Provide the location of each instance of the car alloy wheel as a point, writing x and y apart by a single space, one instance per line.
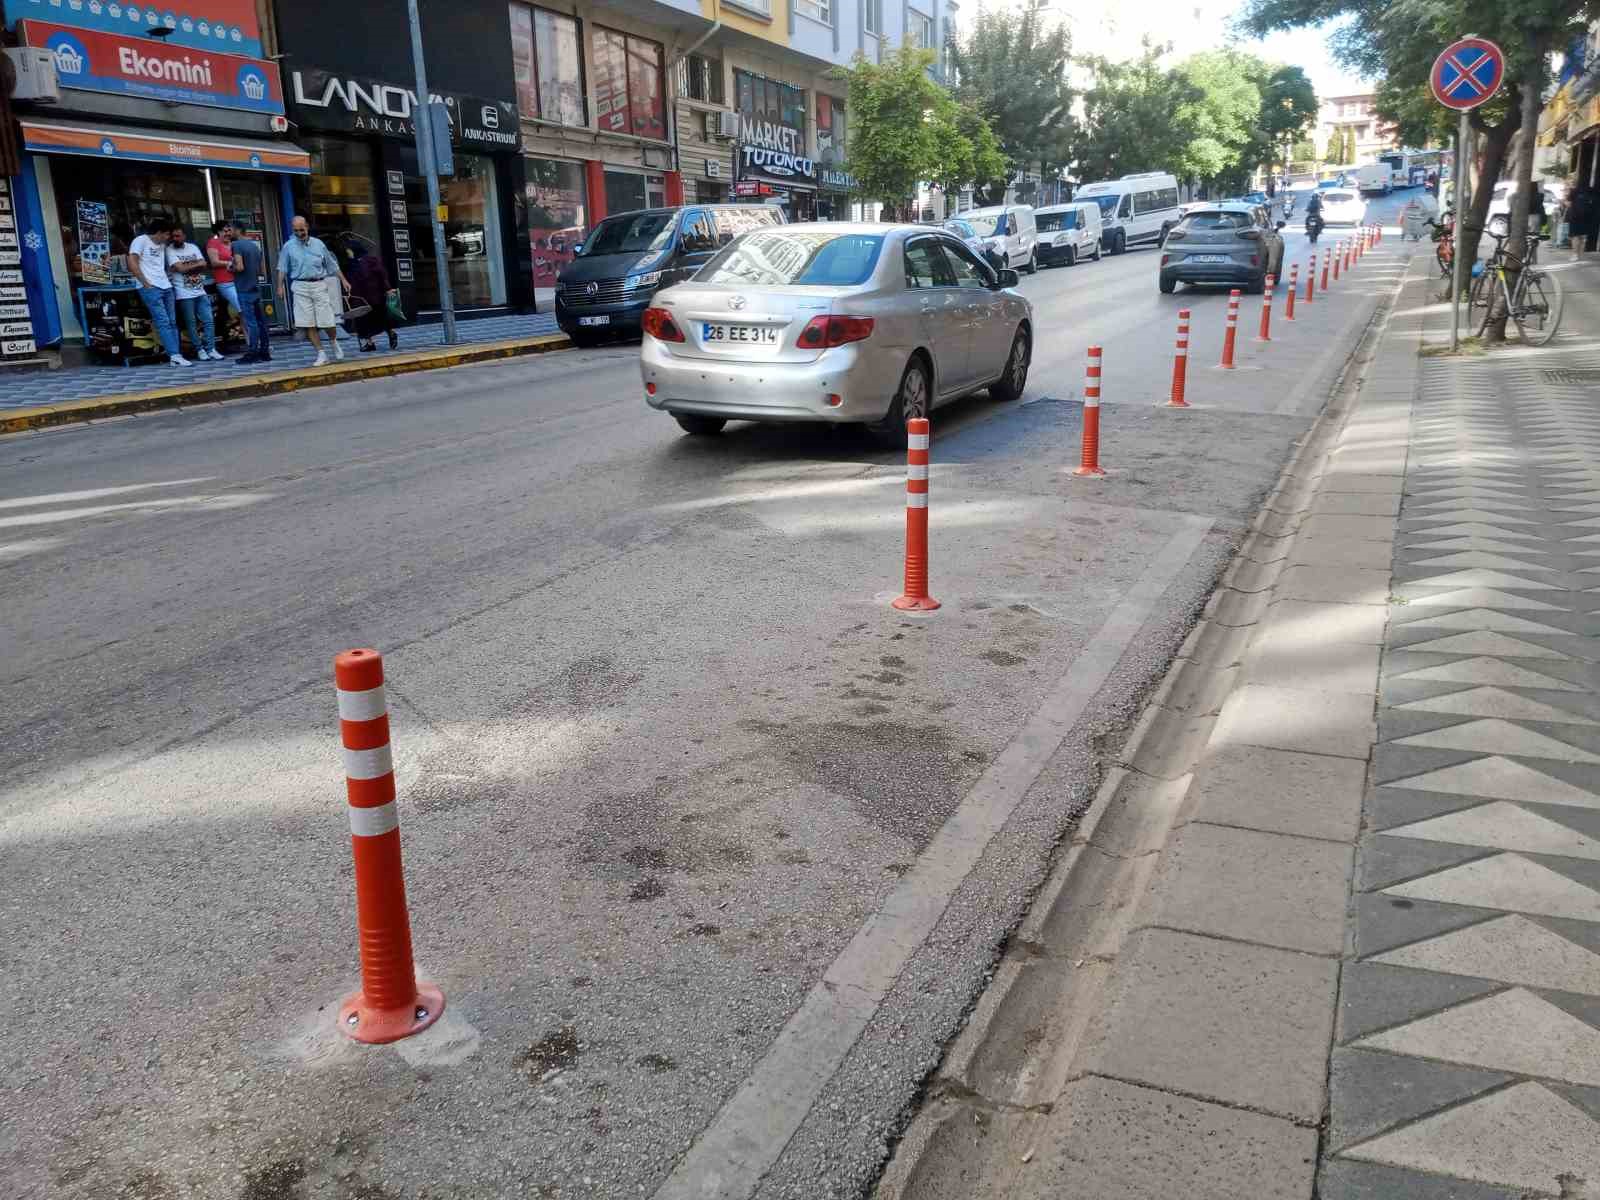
913 392
1011 385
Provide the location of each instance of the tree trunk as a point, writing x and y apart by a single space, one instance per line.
1496 141
1522 190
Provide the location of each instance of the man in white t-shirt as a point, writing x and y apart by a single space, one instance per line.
187 268
147 261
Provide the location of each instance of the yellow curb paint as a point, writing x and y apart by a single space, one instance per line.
279 382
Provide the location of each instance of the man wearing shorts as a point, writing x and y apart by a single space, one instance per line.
304 267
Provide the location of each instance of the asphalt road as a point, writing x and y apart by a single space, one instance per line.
663 748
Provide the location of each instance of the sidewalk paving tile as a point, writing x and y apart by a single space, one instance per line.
1239 1024
1316 722
1313 622
1285 891
1106 1138
1311 795
1286 662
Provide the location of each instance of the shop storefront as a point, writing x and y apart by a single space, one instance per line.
178 125
354 110
771 162
835 185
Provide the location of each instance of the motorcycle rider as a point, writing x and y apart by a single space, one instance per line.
1314 222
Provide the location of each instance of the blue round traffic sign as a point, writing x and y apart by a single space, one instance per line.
1467 73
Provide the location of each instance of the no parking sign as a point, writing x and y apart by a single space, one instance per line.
1467 73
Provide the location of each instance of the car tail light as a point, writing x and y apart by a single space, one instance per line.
1250 235
1165 259
658 323
824 333
1255 260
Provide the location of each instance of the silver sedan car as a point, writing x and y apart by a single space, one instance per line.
834 321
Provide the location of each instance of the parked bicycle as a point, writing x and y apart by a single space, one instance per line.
1444 250
1533 304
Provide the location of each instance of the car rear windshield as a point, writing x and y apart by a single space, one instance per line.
795 255
1060 220
1338 197
1217 220
630 233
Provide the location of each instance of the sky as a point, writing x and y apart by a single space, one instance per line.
1113 28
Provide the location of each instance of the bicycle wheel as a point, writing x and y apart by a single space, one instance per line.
1537 311
1480 302
1442 256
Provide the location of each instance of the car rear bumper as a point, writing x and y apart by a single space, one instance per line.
1052 254
773 391
1233 271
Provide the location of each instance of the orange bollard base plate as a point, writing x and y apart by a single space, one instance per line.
1172 404
1094 472
380 1026
915 604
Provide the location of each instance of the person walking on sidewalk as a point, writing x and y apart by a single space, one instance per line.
187 269
220 257
369 283
304 268
147 262
247 262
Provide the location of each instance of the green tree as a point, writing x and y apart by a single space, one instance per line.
1333 156
1349 146
1218 114
1128 121
1304 151
905 129
1012 70
1288 110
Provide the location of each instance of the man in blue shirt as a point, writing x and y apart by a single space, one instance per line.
305 266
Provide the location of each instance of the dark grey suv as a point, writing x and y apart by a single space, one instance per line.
1231 244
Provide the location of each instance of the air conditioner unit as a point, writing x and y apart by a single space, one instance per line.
36 74
727 125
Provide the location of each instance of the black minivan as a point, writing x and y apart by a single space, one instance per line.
629 257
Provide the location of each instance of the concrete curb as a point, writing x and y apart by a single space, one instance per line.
1074 931
279 382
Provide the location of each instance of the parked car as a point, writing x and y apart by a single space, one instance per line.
1010 235
1068 232
969 235
1499 215
1343 206
836 322
1375 179
1223 244
629 257
1136 210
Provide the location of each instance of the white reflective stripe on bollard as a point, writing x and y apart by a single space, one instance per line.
367 764
362 706
916 499
917 441
374 822
917 472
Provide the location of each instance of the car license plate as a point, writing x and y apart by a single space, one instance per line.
760 335
1208 258
606 320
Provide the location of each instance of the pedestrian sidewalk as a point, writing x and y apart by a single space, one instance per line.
35 399
1333 926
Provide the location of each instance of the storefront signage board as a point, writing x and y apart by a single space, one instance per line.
355 104
134 65
224 25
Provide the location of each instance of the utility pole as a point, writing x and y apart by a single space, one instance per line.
430 172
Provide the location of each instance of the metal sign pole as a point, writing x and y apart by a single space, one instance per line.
422 118
1458 275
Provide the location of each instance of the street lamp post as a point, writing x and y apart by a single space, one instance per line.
430 172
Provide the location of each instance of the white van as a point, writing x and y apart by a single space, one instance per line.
1008 232
1136 210
1068 233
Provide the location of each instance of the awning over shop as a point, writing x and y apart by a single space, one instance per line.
151 145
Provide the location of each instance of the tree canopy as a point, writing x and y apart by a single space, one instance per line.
1127 116
908 129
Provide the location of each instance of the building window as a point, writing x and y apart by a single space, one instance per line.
872 16
919 30
771 114
548 66
701 78
628 92
830 130
817 10
762 8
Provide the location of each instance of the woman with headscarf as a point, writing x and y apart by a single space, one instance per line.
369 284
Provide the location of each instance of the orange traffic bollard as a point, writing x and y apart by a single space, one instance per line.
1180 362
1324 270
391 1003
916 595
1089 464
1311 279
1349 253
1264 334
1338 258
1294 286
1232 330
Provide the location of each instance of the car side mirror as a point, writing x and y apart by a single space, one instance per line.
578 249
1006 278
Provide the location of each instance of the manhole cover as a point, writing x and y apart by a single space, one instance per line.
1573 377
